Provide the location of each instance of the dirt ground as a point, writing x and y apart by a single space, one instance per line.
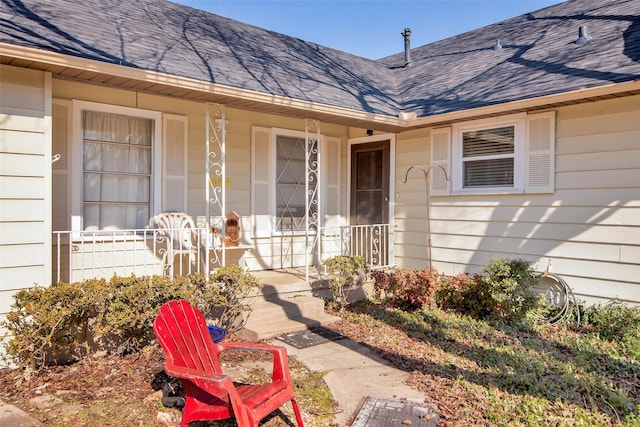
119 391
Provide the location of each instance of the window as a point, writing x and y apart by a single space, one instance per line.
291 182
115 181
116 171
487 156
279 181
511 154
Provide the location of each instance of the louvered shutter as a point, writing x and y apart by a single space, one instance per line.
60 141
261 177
174 161
540 153
440 157
331 181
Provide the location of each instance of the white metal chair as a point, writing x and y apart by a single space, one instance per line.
181 235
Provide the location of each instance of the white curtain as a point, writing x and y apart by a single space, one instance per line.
116 171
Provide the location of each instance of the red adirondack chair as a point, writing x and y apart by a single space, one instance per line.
193 357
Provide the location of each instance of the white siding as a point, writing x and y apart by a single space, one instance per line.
25 181
589 227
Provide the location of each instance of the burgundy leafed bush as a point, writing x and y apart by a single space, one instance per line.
407 290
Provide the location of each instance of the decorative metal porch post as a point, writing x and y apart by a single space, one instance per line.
215 182
312 190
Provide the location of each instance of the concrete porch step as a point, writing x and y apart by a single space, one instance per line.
272 318
286 303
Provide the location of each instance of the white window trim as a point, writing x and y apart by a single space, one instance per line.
76 195
519 122
275 132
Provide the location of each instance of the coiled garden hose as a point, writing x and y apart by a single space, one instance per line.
567 298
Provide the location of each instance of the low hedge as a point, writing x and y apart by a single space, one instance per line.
66 321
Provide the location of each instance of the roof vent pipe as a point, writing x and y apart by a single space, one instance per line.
406 33
583 36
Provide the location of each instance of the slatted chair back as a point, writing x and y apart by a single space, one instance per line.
178 227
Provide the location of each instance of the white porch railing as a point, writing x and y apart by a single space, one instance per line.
373 242
83 255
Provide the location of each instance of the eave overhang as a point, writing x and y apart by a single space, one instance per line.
122 77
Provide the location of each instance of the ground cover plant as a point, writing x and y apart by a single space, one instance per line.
497 372
478 346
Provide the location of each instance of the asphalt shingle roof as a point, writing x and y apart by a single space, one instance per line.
538 56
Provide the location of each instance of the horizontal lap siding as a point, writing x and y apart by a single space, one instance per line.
589 228
25 179
410 227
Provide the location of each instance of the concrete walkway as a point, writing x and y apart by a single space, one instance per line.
14 417
353 374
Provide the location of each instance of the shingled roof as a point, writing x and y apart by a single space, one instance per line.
161 36
538 55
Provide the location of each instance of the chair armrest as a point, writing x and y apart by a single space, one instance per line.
194 374
279 353
250 346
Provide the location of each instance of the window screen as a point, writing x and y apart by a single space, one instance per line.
488 157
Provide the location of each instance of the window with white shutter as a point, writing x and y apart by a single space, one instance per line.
513 154
278 180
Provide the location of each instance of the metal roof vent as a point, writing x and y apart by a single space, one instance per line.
407 46
498 46
583 36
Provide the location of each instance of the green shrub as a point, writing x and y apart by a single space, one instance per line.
127 311
452 292
346 273
505 289
45 320
405 289
615 321
66 321
225 297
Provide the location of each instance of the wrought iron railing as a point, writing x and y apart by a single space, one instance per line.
373 242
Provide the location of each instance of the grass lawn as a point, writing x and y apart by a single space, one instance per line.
500 373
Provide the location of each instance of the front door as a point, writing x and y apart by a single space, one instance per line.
370 183
370 201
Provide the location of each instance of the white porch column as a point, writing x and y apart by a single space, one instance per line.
312 189
215 180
